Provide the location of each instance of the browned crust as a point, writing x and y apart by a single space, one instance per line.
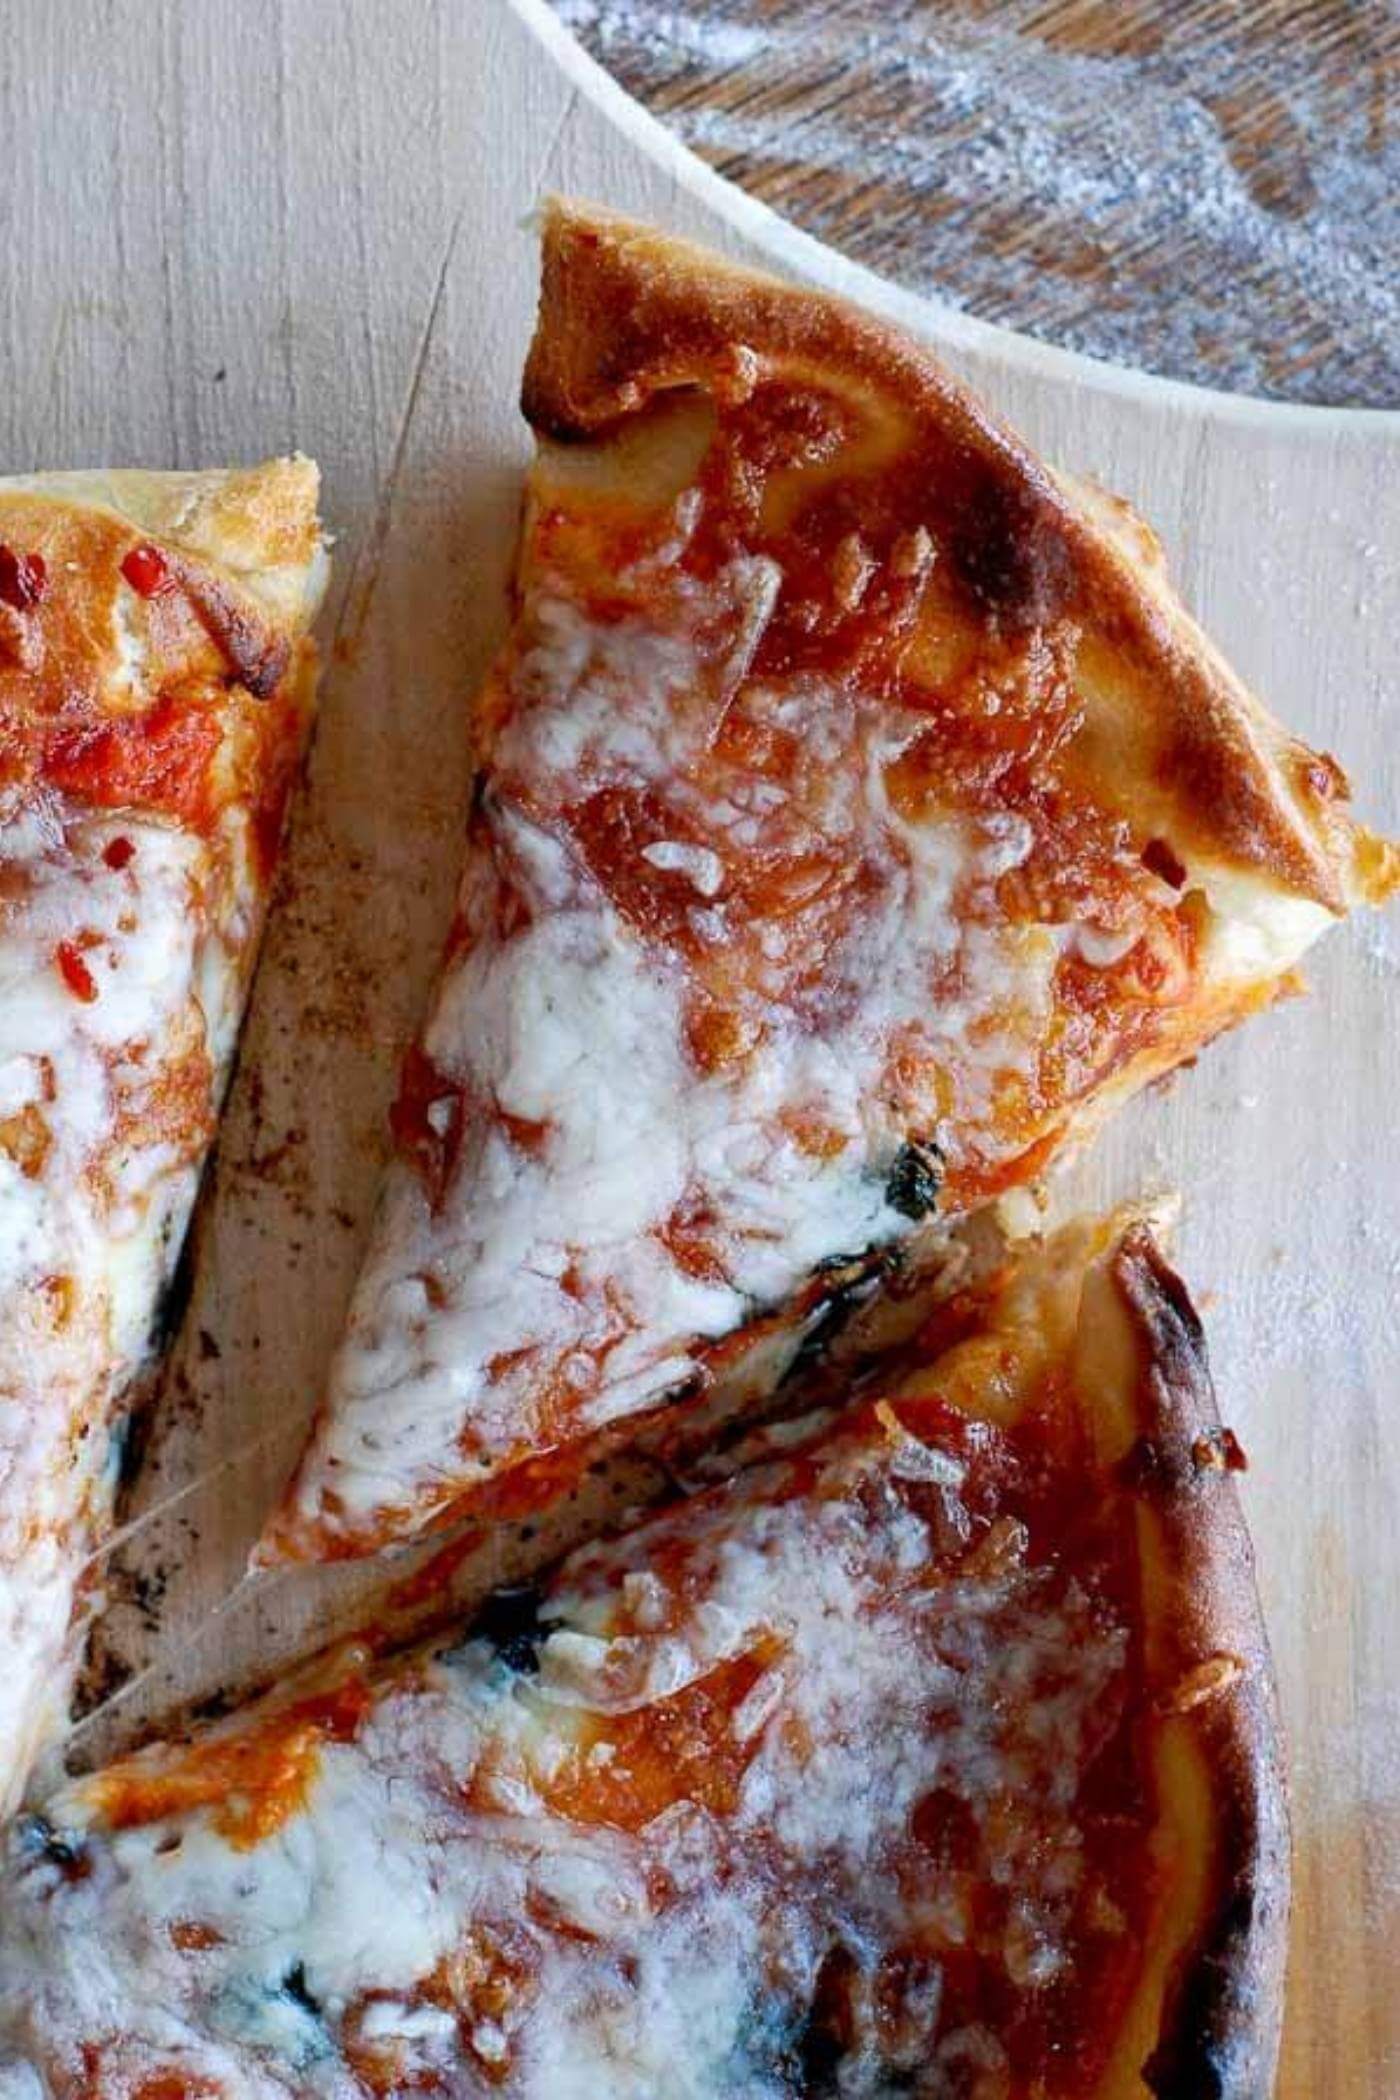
240 551
1221 2025
627 313
255 652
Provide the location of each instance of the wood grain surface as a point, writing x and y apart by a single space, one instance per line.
1205 188
231 232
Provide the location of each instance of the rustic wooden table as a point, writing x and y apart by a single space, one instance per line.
1204 188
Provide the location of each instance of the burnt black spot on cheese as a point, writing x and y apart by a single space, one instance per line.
843 1267
825 2036
295 1987
915 1179
39 1839
510 1621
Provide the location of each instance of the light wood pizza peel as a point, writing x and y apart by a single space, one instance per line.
234 231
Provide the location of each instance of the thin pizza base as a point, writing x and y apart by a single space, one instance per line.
859 820
933 1740
156 684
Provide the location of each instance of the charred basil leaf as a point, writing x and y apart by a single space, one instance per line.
851 1279
847 1267
915 1178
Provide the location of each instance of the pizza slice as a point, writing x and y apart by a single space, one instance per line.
858 819
932 1751
155 686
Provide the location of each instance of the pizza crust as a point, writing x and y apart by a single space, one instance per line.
859 822
641 315
1102 1296
258 525
1223 2016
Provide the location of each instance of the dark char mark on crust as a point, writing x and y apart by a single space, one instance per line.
627 314
1221 2022
1010 553
847 1281
256 654
173 1303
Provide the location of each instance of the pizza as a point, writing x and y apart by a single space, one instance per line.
929 1749
858 819
155 685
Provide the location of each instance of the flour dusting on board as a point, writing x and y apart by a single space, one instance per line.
1171 196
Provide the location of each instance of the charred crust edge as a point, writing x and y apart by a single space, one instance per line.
1223 2013
626 312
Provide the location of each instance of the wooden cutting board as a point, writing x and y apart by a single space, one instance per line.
231 231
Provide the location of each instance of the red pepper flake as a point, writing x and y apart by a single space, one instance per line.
119 853
146 570
75 972
1159 860
24 578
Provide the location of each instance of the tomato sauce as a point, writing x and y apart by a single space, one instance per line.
252 1781
159 759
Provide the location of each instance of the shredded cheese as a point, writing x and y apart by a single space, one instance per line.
773 1743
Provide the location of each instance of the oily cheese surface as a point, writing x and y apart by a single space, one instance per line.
909 1750
313 264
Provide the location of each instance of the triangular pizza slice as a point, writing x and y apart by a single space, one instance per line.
155 685
859 818
933 1751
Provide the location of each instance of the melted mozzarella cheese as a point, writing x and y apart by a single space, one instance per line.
116 1026
453 1898
539 1297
